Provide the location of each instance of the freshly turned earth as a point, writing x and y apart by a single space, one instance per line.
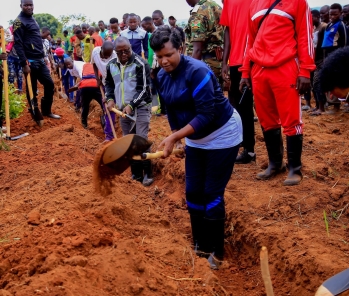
58 237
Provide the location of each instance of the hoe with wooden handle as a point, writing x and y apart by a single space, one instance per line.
115 158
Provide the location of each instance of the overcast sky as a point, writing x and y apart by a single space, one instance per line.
111 8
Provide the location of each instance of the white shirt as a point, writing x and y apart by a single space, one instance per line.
77 69
101 63
229 135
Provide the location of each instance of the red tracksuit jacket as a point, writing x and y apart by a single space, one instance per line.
285 34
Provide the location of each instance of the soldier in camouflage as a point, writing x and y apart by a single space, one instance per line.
204 34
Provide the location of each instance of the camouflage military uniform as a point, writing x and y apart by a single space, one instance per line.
203 26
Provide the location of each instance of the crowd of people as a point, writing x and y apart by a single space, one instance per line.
268 54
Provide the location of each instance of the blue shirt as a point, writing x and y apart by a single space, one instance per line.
335 35
193 96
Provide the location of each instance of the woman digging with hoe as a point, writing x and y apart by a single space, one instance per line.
198 112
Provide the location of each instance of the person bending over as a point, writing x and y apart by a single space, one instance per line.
212 128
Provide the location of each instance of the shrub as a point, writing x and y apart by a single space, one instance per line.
17 103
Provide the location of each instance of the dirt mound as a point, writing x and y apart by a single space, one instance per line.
61 238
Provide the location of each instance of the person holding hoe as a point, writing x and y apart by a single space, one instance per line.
212 128
127 87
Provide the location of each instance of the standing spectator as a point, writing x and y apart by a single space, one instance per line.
318 38
114 31
172 21
123 25
137 36
103 31
75 44
336 31
67 46
158 18
280 47
85 44
325 14
205 35
345 14
148 26
97 40
59 42
28 45
47 46
234 18
14 67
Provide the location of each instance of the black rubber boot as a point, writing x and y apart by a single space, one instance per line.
294 154
198 229
244 157
148 173
214 243
137 170
275 149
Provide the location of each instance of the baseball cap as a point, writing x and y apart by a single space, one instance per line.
59 52
172 18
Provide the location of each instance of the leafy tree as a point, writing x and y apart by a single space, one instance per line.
70 19
47 20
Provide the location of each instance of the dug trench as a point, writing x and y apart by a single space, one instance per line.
58 237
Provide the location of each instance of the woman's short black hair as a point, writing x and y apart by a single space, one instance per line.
335 70
163 35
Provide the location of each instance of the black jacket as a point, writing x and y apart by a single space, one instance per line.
27 37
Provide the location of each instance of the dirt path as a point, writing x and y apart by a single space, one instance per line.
57 237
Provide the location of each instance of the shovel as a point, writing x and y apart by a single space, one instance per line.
34 110
61 94
115 158
7 102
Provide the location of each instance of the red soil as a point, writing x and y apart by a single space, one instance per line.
58 237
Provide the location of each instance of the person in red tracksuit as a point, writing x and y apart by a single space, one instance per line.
278 60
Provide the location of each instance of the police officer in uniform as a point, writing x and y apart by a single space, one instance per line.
204 34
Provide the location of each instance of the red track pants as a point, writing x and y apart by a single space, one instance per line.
276 97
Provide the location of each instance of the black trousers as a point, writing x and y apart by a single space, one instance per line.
39 72
245 109
87 95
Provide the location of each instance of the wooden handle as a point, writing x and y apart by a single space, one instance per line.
119 113
322 291
108 113
30 88
155 155
7 102
265 272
